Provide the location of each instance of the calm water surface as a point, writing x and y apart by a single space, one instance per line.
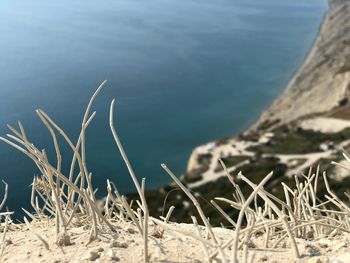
183 73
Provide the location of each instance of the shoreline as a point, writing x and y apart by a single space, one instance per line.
290 105
304 61
307 93
191 164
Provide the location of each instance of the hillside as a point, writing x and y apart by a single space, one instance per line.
322 83
307 127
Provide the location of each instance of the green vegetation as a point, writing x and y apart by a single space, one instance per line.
160 200
286 140
196 174
257 169
268 124
299 141
251 136
184 209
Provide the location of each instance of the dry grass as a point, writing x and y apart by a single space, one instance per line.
70 200
5 220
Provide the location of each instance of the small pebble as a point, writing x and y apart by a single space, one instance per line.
8 242
312 250
323 245
93 256
251 244
64 240
310 235
131 231
263 258
157 232
118 244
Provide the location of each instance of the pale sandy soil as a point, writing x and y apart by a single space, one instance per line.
339 172
231 148
126 246
211 175
310 160
325 125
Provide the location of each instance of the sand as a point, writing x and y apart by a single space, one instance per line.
325 125
126 246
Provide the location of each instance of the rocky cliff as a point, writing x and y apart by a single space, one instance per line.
323 81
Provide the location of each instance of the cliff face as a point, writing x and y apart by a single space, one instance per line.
323 81
317 97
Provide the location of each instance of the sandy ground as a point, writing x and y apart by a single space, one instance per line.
325 125
211 175
127 246
232 148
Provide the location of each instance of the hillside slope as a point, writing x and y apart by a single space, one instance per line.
323 81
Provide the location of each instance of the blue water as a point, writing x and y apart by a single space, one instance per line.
183 72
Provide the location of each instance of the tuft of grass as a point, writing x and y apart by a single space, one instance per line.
70 198
300 214
5 220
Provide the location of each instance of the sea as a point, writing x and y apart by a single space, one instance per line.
183 73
